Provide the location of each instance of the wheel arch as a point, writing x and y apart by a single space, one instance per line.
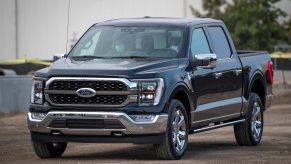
181 93
257 86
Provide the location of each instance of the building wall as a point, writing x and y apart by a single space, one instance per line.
7 29
42 27
42 24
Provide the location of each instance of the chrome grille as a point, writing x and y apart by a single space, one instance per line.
96 85
110 92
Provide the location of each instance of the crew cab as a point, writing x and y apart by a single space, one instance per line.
150 81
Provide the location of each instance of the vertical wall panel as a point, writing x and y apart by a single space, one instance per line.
7 29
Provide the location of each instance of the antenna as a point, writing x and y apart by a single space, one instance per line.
68 23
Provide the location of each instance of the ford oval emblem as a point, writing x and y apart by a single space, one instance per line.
86 92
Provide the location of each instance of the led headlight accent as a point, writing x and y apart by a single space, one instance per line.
142 118
150 91
37 92
38 116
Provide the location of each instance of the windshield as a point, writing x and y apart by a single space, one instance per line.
122 42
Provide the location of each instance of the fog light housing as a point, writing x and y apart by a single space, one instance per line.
142 118
37 116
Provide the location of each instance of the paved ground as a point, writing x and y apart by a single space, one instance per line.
217 146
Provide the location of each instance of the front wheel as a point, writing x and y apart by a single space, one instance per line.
250 132
176 137
49 150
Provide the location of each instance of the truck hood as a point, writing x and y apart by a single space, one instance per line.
129 68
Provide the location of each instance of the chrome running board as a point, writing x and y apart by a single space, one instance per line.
218 126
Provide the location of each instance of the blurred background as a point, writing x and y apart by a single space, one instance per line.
33 31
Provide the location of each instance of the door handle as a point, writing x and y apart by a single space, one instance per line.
217 75
237 72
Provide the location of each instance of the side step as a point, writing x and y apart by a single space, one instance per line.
218 126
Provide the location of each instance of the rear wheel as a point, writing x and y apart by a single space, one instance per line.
49 150
250 132
176 137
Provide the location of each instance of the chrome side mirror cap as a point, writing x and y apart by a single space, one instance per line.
204 60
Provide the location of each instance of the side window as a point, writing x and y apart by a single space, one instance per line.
199 43
220 43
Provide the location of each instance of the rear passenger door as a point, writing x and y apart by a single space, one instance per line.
229 81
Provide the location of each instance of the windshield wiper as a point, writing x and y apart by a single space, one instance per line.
129 57
88 57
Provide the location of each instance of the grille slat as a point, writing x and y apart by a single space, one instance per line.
98 99
87 124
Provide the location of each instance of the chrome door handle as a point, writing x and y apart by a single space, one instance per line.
217 75
237 72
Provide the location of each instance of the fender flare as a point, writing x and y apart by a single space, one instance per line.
178 87
257 75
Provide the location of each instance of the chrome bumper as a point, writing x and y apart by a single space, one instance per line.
156 125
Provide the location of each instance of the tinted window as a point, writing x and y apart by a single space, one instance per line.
220 43
199 44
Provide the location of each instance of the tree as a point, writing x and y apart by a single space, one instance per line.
287 26
211 7
253 24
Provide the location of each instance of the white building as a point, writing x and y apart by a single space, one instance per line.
38 28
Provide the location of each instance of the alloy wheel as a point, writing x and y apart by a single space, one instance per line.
179 131
256 123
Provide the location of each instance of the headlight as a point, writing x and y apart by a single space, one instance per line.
37 92
150 91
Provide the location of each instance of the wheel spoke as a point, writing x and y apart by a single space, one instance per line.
174 125
258 124
253 127
179 144
176 118
174 137
258 111
181 122
256 132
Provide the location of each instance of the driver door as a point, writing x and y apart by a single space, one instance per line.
204 80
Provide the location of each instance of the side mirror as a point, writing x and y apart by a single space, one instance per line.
204 60
58 56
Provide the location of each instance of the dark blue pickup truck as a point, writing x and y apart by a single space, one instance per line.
150 81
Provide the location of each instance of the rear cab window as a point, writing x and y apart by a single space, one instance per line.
220 42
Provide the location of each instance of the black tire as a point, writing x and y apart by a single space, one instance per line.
246 132
168 148
49 150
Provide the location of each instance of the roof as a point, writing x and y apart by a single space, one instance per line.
152 21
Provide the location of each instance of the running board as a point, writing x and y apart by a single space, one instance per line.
218 126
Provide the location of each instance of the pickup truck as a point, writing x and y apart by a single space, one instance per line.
150 81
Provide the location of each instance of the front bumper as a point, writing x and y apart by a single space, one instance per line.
157 125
